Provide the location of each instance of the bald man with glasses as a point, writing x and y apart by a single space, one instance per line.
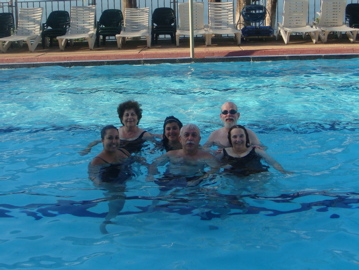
229 116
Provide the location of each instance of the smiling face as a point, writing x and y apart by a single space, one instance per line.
238 137
172 132
111 140
229 114
129 118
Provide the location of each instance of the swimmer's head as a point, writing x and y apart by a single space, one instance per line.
229 114
171 129
129 105
190 137
190 127
245 132
172 119
105 129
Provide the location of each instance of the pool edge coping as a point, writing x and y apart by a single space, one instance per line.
181 60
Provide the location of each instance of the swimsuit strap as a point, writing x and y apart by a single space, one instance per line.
141 135
102 159
124 152
225 154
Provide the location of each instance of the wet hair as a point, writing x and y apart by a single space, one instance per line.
168 120
104 130
129 105
245 132
189 126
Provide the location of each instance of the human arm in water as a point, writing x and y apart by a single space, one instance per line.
88 148
271 161
152 168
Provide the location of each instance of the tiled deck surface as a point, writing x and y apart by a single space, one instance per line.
164 51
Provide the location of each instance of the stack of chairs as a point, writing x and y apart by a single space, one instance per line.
295 18
82 26
332 19
28 30
163 23
6 24
136 25
220 21
57 24
110 24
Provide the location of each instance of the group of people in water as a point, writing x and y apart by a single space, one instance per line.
239 150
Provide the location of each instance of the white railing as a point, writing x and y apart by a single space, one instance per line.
101 5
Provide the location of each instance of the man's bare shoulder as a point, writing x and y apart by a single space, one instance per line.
215 136
174 153
217 132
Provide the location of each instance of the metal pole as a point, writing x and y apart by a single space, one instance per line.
191 39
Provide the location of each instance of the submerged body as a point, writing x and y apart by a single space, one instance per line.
111 165
189 162
246 165
243 158
229 116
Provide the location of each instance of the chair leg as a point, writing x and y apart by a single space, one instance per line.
119 41
98 40
238 37
148 41
177 40
285 35
208 39
6 46
324 36
157 35
62 43
91 41
351 35
314 36
1 46
32 45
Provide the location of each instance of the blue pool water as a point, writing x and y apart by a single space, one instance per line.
306 112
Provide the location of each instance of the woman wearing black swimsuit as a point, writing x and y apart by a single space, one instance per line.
110 169
242 158
110 165
132 137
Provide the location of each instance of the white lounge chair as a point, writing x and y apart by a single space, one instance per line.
82 21
295 20
29 24
198 21
136 25
332 18
220 21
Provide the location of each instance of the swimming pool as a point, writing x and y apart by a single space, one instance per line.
306 112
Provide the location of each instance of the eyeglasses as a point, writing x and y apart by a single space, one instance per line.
229 112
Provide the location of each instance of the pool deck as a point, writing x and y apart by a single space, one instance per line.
135 52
